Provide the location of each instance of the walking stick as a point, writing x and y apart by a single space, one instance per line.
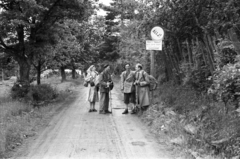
137 101
110 99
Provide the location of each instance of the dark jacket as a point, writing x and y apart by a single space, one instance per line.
103 79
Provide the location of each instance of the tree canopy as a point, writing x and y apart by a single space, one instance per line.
29 25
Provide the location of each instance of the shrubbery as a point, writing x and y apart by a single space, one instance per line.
19 90
226 83
216 132
33 93
43 92
199 79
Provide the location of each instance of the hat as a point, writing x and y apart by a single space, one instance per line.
138 64
105 65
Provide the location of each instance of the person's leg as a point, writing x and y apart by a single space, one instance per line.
102 102
126 101
133 101
90 110
107 103
93 107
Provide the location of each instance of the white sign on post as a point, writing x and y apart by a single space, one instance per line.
153 45
157 33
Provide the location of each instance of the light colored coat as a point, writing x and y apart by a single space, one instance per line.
129 78
92 93
142 92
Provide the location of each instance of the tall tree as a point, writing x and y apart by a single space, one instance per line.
28 24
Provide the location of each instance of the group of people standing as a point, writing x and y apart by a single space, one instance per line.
134 85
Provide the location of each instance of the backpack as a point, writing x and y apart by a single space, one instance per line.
152 81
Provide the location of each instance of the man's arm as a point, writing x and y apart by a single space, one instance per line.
122 81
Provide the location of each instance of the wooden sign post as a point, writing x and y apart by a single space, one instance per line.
157 34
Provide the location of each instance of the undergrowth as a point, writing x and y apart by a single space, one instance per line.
195 121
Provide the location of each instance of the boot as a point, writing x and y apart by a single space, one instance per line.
125 111
134 111
107 111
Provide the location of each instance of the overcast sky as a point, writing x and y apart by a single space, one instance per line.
106 2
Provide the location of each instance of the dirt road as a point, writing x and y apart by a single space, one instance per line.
75 133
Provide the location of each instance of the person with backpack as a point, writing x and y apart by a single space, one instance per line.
142 87
91 79
128 87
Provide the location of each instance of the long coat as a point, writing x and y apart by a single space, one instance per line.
92 93
104 91
142 92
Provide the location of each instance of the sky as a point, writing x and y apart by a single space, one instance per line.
106 2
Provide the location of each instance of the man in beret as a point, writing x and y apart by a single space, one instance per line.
105 86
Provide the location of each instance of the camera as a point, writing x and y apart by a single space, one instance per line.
92 84
137 83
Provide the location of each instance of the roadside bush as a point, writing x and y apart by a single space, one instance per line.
227 55
43 92
33 93
19 90
199 79
183 99
226 85
207 126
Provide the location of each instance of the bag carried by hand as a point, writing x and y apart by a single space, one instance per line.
111 85
128 87
97 87
92 84
85 83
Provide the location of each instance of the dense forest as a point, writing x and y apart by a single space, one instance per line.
198 69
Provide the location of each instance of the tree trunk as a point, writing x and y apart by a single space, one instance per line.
209 54
24 70
210 40
194 54
73 73
39 72
180 50
207 57
17 73
175 58
2 74
190 58
211 47
175 71
63 74
168 67
202 51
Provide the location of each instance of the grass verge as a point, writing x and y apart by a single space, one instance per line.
19 120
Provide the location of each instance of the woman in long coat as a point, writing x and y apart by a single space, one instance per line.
142 87
92 79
